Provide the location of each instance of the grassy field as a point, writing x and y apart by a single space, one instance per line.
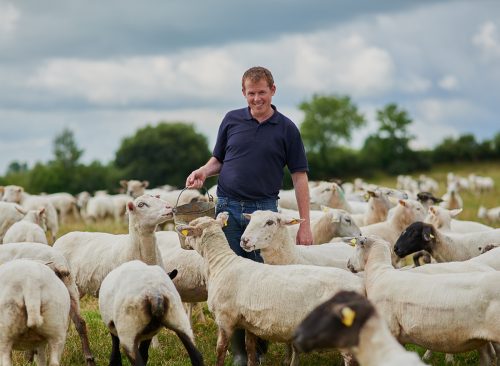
171 351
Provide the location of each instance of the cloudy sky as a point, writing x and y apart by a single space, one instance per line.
106 68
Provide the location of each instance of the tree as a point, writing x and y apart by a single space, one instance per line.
328 122
388 149
66 152
163 154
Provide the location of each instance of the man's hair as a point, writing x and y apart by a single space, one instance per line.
257 73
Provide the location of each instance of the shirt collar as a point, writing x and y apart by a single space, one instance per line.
273 120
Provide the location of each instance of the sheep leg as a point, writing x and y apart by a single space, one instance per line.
81 328
427 355
194 355
485 355
200 317
222 344
349 359
155 343
295 357
288 354
56 348
40 356
116 357
449 358
250 345
144 350
496 348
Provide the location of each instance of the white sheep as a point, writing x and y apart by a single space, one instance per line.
349 321
449 313
65 205
10 213
35 312
56 261
268 232
136 301
443 219
16 194
191 280
378 208
267 301
331 194
444 246
491 214
92 256
29 229
99 207
452 199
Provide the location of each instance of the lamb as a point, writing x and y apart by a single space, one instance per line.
443 246
10 213
442 219
92 256
268 232
239 289
65 205
136 301
57 262
350 321
36 305
492 214
29 229
16 194
467 303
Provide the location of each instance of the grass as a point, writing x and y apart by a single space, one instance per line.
171 351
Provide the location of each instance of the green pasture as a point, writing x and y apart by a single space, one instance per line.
171 351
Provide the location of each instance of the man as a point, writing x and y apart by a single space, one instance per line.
253 146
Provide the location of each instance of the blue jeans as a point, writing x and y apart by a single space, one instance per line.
237 223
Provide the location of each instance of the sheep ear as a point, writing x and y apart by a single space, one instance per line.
145 183
427 233
123 183
131 206
347 316
173 274
454 213
185 230
222 218
41 211
402 203
291 221
247 216
432 210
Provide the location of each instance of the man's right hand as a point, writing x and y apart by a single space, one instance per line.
196 179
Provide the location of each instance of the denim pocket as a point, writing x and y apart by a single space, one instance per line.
221 205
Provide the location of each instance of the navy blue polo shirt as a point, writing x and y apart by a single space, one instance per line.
253 155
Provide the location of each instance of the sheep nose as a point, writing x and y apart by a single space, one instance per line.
244 241
351 267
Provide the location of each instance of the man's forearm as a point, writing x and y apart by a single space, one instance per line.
300 183
212 167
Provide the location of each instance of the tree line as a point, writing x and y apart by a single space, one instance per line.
167 152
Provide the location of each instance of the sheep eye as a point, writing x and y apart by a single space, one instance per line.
327 190
348 220
141 204
269 222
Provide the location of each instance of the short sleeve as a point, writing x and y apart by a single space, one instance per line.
296 159
219 151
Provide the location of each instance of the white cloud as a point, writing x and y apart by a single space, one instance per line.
448 82
486 39
9 16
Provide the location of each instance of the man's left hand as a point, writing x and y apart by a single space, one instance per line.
304 235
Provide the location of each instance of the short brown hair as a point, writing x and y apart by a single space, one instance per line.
255 74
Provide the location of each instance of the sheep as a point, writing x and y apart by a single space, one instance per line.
16 194
99 207
492 214
350 321
59 265
443 246
378 208
406 212
452 199
191 280
36 307
467 303
239 289
442 219
65 205
82 200
92 256
136 300
29 229
427 199
331 194
268 232
10 213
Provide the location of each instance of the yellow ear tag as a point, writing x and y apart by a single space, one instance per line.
431 236
225 222
185 232
353 241
348 316
367 196
325 209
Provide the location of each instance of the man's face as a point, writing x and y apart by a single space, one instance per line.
259 96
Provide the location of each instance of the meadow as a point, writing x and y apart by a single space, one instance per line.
171 351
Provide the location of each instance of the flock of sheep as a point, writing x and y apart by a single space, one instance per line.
352 291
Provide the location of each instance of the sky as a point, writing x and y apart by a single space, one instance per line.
104 69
